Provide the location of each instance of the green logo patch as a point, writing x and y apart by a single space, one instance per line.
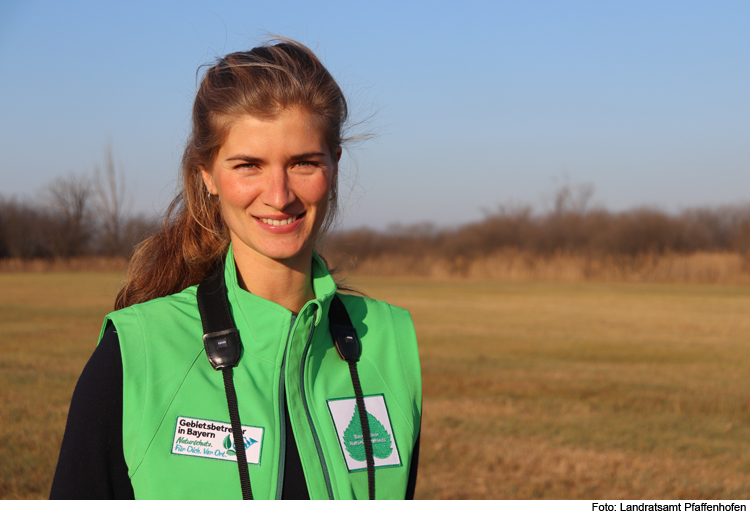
211 439
346 421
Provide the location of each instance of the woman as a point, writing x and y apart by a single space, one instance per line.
325 388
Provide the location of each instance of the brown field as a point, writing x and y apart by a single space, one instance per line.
532 389
580 390
49 325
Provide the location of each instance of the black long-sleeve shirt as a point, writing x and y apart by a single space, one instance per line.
92 462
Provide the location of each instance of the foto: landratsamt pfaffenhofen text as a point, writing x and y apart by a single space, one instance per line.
676 507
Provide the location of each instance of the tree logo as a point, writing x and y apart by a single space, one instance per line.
228 445
346 421
354 439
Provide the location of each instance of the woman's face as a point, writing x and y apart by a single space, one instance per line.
273 178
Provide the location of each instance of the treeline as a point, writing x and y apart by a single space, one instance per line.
76 217
569 228
73 216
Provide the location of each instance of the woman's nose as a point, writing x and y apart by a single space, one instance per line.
278 194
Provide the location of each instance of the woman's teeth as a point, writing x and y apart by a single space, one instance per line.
279 222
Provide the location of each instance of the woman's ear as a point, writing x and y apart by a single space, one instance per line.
208 179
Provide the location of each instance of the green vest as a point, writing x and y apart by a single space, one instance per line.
176 432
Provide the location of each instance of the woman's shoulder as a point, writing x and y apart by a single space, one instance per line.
165 323
368 309
167 308
388 332
177 300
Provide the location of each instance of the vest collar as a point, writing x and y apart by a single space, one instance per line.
323 285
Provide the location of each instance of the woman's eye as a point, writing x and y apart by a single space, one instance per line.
307 165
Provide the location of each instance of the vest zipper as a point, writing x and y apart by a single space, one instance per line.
282 416
323 465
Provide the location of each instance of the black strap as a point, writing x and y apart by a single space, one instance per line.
223 348
349 348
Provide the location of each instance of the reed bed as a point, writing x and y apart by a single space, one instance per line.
515 265
506 265
77 264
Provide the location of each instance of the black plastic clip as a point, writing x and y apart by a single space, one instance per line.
346 341
223 348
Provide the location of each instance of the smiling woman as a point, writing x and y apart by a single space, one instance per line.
319 392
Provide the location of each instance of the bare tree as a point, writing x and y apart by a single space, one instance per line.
113 203
570 198
70 196
26 231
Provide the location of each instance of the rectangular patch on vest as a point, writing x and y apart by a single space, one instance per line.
348 426
210 439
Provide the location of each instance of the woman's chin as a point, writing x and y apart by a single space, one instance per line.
288 254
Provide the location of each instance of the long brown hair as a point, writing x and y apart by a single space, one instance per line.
260 82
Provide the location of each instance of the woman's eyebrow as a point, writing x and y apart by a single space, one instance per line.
243 157
307 155
296 157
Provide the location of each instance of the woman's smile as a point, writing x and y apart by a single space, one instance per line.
276 222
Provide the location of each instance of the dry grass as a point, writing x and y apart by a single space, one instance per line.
580 390
532 389
78 264
515 265
49 324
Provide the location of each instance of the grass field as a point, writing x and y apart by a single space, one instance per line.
532 390
49 325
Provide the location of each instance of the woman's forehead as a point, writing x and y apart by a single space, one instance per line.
290 130
251 126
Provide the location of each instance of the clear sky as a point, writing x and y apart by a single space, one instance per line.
475 104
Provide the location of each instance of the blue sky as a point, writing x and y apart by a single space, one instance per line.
473 105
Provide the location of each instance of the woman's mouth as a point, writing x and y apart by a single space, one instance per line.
278 222
285 221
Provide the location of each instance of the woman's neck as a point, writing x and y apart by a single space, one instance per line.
286 283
